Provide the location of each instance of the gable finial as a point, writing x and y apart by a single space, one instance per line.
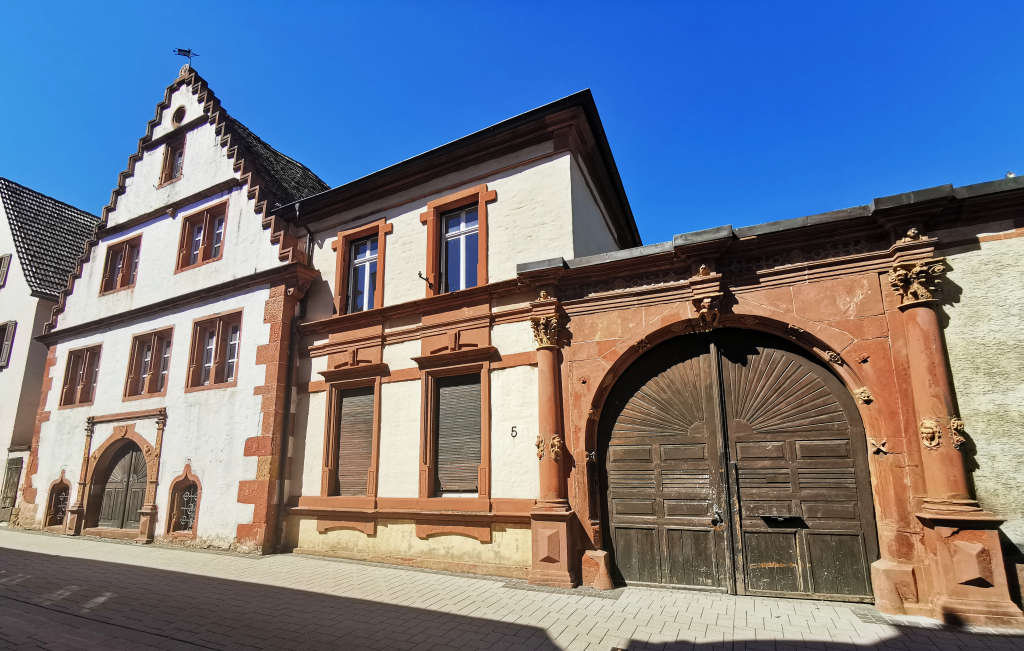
187 53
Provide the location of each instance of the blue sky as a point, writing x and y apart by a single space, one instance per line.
716 112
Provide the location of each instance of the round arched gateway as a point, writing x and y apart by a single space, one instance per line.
121 489
734 462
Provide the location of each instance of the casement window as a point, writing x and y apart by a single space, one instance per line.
362 274
457 434
5 264
202 237
174 160
121 265
353 431
80 376
459 250
457 240
148 364
214 355
6 342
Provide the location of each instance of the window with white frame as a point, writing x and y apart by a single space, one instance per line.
215 347
148 365
202 237
362 274
459 250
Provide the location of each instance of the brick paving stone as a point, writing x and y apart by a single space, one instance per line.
66 593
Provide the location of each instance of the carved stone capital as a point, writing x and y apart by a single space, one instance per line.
547 330
918 282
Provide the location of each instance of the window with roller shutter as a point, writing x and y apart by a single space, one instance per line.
354 431
457 414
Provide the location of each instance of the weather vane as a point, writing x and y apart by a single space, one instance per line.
182 52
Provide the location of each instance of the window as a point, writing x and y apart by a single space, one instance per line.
148 364
6 342
57 505
121 265
174 159
215 349
362 274
359 267
459 250
457 240
202 237
80 377
457 447
5 264
185 502
353 440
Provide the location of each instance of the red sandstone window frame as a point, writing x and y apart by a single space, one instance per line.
81 390
328 480
432 218
342 245
221 325
174 494
173 145
205 255
129 249
428 438
137 387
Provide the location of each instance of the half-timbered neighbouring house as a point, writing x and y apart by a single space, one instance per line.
164 390
41 240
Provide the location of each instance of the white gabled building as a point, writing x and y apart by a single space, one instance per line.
164 389
41 240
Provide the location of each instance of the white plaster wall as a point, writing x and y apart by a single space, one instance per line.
591 230
208 427
511 338
514 468
20 381
530 220
205 164
399 440
399 356
985 340
247 249
310 440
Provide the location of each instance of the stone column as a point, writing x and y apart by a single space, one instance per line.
968 578
147 514
550 517
76 514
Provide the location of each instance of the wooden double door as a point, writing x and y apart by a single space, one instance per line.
124 490
735 463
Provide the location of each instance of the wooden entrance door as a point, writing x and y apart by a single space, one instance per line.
736 463
9 495
124 490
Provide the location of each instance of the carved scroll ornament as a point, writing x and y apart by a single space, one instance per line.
921 281
547 330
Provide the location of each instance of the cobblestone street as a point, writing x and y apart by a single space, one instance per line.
64 593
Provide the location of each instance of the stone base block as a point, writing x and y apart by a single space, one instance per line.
596 570
551 549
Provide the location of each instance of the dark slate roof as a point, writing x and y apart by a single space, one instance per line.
49 236
290 180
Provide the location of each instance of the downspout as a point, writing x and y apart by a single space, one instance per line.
286 426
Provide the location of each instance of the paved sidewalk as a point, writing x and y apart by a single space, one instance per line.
65 593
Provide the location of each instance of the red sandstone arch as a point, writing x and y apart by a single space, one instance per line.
59 484
100 466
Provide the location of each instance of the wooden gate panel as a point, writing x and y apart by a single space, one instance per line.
663 480
115 489
136 492
801 475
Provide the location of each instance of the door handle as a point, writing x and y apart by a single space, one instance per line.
716 516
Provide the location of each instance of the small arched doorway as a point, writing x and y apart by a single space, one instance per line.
121 489
736 463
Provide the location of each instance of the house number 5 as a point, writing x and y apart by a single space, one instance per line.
514 432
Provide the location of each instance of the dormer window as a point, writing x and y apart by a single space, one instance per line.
122 265
174 159
202 237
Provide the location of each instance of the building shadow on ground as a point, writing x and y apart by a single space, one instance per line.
67 602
